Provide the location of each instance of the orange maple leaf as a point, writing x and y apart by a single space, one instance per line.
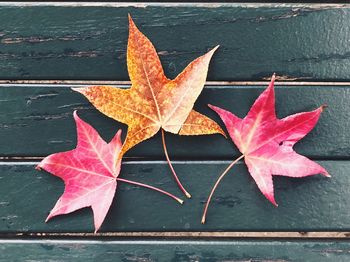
154 102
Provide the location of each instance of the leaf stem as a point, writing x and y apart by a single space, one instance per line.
188 195
216 185
151 187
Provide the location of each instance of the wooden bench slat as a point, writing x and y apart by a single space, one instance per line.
37 121
309 204
159 250
303 42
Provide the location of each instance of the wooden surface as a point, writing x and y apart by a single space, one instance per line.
41 123
179 251
44 114
309 204
78 41
304 44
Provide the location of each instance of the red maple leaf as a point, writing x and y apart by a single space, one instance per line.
90 173
266 143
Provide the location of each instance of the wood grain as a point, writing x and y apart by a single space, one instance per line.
77 41
36 120
310 204
160 250
57 40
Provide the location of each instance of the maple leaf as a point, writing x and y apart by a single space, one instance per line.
266 143
89 172
154 102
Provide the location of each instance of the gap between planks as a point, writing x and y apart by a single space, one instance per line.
221 235
208 83
34 160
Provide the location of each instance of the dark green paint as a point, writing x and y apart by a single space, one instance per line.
306 43
308 204
48 42
175 251
37 121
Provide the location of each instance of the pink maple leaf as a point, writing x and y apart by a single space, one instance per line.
266 143
90 173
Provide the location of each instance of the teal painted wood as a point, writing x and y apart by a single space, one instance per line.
179 251
37 121
309 204
298 41
206 2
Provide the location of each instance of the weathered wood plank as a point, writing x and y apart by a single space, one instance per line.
160 250
304 42
170 2
310 204
37 121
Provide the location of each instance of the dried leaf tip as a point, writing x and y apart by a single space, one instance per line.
215 48
211 106
131 22
273 78
326 174
48 218
75 115
272 81
80 90
211 52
